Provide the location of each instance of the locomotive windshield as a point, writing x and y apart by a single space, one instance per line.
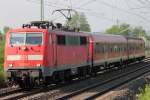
25 38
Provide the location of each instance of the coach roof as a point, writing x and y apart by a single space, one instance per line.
108 38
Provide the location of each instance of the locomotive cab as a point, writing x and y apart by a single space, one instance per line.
24 50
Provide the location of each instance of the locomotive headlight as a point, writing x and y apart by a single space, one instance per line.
38 65
10 65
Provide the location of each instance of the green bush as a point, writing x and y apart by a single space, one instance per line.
1 78
1 62
145 94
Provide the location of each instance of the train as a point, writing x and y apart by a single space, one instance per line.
41 53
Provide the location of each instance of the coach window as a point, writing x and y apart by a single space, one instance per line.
124 48
50 39
142 45
119 48
106 47
83 41
61 40
111 50
97 49
103 48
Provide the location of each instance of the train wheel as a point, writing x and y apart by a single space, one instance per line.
26 82
58 77
93 71
67 75
10 82
36 82
55 78
62 77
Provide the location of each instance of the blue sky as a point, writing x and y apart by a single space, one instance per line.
100 14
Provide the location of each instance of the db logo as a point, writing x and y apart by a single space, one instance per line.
24 57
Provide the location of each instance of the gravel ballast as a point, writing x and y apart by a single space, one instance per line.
128 91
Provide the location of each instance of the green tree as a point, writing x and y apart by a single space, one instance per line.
78 20
123 29
126 29
5 29
0 33
2 44
1 63
139 32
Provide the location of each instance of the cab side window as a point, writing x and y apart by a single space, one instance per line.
83 40
61 39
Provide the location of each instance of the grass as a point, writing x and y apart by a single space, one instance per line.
145 93
1 63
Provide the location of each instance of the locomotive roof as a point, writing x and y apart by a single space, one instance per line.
69 33
27 30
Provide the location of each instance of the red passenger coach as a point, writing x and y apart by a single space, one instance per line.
109 49
135 48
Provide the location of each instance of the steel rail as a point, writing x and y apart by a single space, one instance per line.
36 91
54 94
8 91
83 90
142 71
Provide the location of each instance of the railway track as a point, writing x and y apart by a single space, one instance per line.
8 90
98 89
17 93
20 93
63 91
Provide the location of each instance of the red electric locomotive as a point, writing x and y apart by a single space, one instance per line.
50 54
40 55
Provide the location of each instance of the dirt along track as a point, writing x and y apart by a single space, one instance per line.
66 91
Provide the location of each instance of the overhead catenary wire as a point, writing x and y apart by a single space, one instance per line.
147 1
125 11
51 4
143 2
139 9
81 9
86 3
127 3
